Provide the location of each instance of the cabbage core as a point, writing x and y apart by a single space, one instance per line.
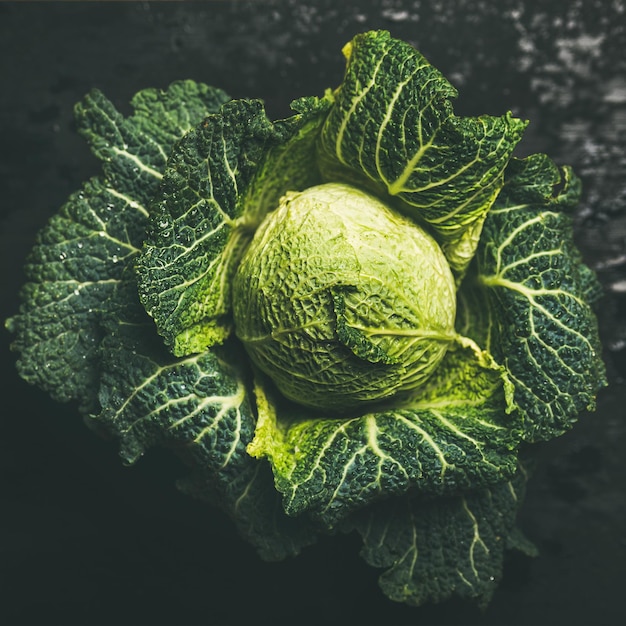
341 300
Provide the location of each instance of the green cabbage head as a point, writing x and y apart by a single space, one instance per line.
353 319
341 300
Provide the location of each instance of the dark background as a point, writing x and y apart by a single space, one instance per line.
84 540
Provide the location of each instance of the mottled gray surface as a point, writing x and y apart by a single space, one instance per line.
83 540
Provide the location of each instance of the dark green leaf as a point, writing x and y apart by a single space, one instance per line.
392 129
82 252
199 407
436 548
538 292
221 180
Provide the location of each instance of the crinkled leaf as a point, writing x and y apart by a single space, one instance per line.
392 129
539 293
436 548
197 406
221 180
81 254
290 164
151 398
537 180
455 436
474 317
134 151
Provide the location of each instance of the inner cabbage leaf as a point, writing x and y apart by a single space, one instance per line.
341 300
455 435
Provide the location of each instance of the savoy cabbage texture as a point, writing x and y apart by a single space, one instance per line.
335 249
141 307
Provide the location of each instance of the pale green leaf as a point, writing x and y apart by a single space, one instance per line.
455 435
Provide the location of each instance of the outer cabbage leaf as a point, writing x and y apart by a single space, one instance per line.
392 129
80 255
81 320
456 435
197 406
255 507
434 548
538 294
221 180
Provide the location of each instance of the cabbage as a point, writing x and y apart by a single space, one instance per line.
353 319
342 301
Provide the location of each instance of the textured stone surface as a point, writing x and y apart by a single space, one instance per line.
85 540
